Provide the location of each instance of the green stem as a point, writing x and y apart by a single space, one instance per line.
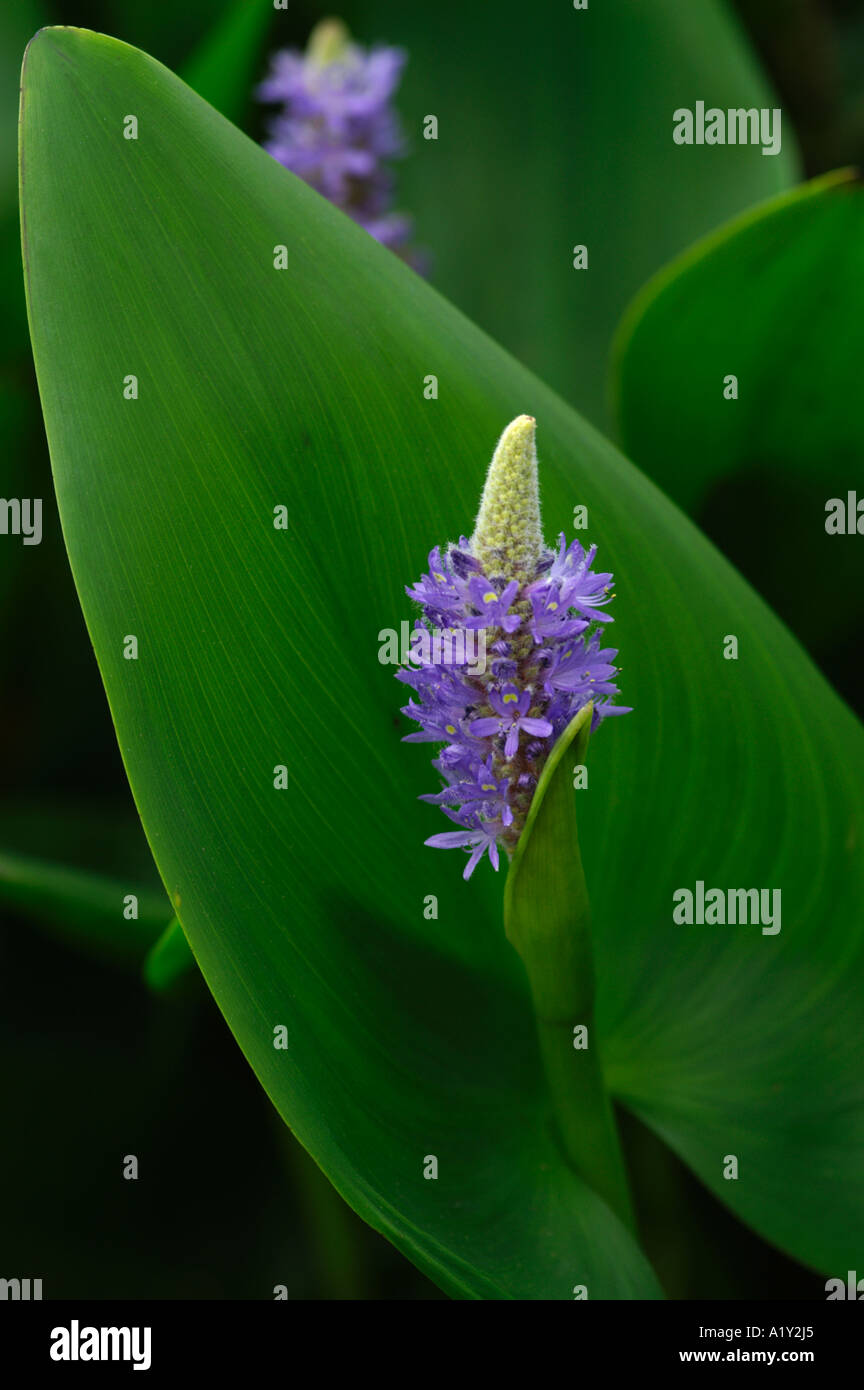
582 1108
547 919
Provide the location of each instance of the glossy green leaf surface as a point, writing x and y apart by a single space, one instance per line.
410 1035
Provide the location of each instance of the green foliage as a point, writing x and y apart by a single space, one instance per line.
409 1036
774 299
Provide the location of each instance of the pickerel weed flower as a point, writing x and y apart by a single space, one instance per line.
337 128
543 613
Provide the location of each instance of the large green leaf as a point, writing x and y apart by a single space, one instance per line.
565 138
258 647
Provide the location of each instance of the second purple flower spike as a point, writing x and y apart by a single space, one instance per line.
337 129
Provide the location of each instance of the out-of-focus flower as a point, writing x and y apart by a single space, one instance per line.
538 609
337 129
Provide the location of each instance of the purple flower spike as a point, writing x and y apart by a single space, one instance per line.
337 128
537 614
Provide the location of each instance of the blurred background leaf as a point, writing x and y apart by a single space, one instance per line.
777 299
561 140
17 24
84 908
314 917
224 67
168 959
814 50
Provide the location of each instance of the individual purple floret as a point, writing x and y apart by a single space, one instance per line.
539 613
337 129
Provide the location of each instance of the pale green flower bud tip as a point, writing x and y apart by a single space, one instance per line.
328 42
508 539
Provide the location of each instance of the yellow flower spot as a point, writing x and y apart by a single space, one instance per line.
508 698
450 728
490 598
